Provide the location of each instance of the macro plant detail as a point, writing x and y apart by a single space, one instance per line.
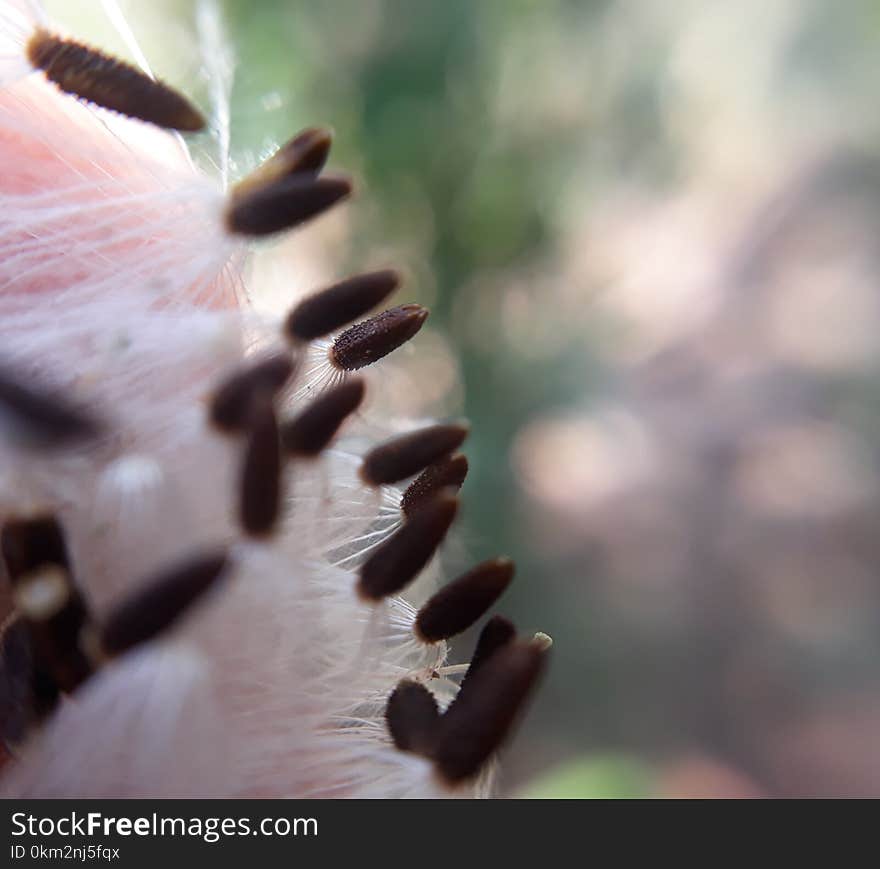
205 585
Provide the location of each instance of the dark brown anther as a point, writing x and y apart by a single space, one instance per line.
403 456
306 153
412 717
110 83
41 418
478 720
400 558
367 342
33 543
160 602
260 504
285 203
235 398
497 633
310 431
332 308
448 473
459 604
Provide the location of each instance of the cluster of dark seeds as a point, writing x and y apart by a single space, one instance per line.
52 644
287 189
497 684
483 712
499 680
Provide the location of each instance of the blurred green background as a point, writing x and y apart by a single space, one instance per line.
647 233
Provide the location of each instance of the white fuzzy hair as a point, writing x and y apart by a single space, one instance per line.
120 285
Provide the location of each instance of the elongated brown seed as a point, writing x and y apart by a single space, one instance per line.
110 83
161 601
459 604
260 503
332 308
412 717
497 633
42 418
367 342
284 204
448 473
403 456
233 401
311 430
478 721
306 152
400 558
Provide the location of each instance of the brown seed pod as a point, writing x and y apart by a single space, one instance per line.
459 604
367 342
412 717
161 601
235 398
497 633
260 496
394 564
284 204
305 153
110 83
478 721
448 473
310 431
329 309
403 456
